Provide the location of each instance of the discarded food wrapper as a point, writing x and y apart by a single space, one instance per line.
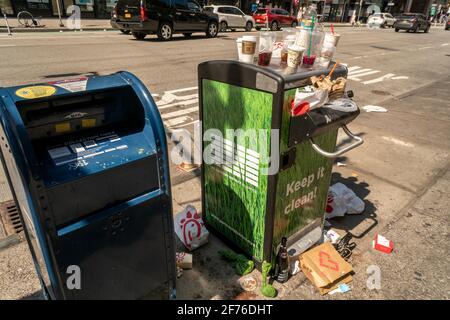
190 228
371 108
343 288
295 267
184 260
382 244
308 98
325 268
249 283
342 200
179 272
342 104
332 236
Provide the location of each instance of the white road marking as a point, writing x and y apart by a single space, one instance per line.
444 44
380 79
400 78
176 104
355 77
358 71
371 108
8 45
422 48
352 68
179 113
398 142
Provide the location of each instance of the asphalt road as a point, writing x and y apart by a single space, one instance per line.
401 171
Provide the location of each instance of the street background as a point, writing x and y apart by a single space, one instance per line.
401 171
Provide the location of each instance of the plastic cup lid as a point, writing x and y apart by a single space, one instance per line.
249 38
295 47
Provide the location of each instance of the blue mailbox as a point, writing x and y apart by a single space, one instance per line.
87 163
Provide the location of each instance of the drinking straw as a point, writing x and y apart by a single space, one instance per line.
310 36
332 28
332 69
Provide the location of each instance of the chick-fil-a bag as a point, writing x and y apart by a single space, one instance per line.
190 228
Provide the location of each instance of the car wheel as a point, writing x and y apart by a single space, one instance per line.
427 29
165 31
248 26
187 35
383 25
258 28
211 32
125 31
274 26
294 24
223 26
139 35
417 29
396 29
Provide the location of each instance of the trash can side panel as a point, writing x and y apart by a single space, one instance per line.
236 192
303 187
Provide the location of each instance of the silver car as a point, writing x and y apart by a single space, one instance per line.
231 17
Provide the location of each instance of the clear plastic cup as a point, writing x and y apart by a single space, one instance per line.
312 42
294 57
239 48
266 43
331 39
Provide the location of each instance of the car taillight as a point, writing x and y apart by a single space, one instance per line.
142 11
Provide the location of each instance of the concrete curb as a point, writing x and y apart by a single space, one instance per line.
32 30
9 241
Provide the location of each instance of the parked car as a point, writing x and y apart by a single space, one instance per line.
412 22
114 23
381 19
274 18
231 17
447 24
164 18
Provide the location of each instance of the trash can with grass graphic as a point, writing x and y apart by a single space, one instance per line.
266 172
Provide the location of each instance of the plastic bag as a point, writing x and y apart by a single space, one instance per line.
190 228
343 104
342 200
308 98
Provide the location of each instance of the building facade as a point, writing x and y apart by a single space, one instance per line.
49 8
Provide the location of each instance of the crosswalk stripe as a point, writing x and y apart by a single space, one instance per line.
380 79
353 68
358 71
355 77
175 104
178 113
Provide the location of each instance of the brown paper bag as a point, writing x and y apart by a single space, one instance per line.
325 268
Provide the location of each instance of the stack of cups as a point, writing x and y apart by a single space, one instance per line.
248 49
328 49
288 41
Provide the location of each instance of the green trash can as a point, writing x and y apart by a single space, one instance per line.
265 173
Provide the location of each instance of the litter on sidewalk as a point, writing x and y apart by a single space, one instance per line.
331 236
190 228
241 264
382 244
184 260
325 268
342 200
371 108
342 288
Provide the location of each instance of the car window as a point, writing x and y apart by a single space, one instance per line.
194 6
158 3
180 4
235 11
389 16
239 12
283 12
261 11
222 10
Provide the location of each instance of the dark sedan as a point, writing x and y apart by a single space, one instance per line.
412 22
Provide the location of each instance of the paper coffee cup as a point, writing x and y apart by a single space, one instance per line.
248 48
331 39
239 48
295 54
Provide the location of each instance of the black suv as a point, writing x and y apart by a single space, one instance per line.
164 17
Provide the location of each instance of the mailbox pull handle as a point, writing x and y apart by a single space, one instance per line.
358 141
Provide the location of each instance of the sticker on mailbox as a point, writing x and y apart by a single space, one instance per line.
35 92
72 85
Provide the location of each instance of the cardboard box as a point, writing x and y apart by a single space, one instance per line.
325 268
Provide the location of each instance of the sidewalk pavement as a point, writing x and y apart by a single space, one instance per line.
52 25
